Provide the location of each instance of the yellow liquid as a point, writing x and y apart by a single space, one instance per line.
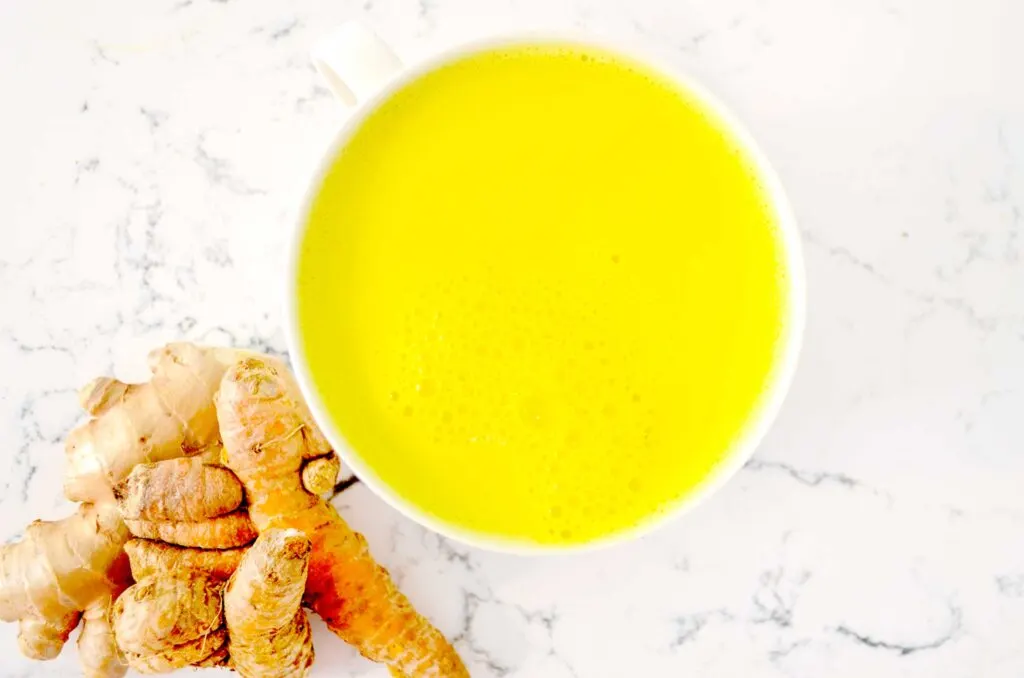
541 293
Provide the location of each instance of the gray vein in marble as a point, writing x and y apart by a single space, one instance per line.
466 637
1012 254
547 619
776 597
901 649
100 54
16 537
976 245
784 650
450 553
281 30
141 257
32 433
38 348
690 44
186 324
688 627
218 254
218 171
479 592
87 166
957 304
809 478
155 118
846 255
316 93
1010 585
264 344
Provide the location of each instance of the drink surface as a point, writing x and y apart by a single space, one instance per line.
541 292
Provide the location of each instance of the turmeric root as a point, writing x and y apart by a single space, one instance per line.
269 633
54 573
148 557
166 622
320 474
266 439
184 489
195 651
222 532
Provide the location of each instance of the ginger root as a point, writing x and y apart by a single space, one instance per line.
69 572
98 652
182 489
57 571
173 463
269 633
42 638
266 439
215 660
170 416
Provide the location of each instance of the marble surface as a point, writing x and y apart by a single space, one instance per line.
153 152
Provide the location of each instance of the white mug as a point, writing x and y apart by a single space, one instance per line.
363 72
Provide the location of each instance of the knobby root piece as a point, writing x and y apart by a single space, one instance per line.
320 474
170 416
161 612
184 489
222 532
150 557
97 650
266 439
42 638
269 632
178 657
100 394
58 570
219 658
64 573
211 455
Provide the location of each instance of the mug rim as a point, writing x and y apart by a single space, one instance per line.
758 420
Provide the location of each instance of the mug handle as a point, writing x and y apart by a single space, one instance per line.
354 62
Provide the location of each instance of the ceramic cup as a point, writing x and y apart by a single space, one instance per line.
362 72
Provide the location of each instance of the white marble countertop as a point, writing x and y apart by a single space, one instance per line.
152 153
